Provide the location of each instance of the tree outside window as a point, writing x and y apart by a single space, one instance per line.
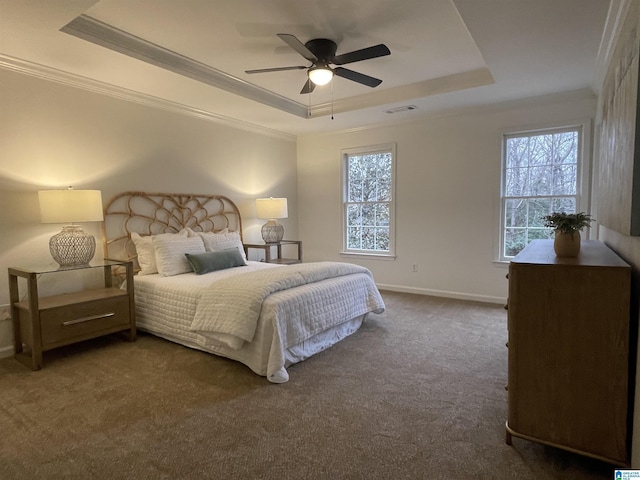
540 176
368 197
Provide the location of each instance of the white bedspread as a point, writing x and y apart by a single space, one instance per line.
228 310
320 313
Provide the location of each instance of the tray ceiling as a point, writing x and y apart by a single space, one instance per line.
445 54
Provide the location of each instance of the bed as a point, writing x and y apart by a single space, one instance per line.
195 286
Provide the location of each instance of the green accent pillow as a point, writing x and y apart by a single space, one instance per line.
212 261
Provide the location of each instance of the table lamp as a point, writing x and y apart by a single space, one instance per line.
72 246
271 209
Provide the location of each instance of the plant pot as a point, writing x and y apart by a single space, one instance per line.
567 244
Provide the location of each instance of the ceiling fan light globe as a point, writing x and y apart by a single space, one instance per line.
320 75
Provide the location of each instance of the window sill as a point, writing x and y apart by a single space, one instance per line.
372 256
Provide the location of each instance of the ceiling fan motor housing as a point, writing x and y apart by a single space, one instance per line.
322 48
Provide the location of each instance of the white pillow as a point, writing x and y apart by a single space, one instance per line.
204 235
193 233
215 242
145 250
170 253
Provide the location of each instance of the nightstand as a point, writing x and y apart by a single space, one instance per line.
44 323
267 247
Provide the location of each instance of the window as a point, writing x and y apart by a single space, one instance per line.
368 184
540 175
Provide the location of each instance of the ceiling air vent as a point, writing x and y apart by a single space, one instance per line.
402 109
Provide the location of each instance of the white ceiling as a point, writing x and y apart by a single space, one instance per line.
445 54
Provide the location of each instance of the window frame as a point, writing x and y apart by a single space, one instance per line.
344 155
583 172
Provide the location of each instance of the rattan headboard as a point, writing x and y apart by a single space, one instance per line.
153 213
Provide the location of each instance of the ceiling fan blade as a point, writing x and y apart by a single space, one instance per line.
365 54
308 87
357 77
276 69
298 46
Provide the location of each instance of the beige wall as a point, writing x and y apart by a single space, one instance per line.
448 176
447 194
52 136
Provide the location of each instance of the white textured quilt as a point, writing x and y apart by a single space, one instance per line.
228 310
320 313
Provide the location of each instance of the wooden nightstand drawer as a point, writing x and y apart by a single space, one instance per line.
73 317
68 324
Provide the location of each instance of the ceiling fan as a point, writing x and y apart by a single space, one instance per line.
321 52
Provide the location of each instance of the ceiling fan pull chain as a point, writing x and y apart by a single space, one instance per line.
331 100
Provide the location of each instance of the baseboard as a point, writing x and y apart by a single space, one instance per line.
443 293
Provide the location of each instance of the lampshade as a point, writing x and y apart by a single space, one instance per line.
320 75
272 208
70 206
72 246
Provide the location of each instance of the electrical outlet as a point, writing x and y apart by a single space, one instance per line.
5 312
414 268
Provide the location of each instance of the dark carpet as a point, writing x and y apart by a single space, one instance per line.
417 393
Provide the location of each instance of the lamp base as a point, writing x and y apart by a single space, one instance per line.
72 246
272 232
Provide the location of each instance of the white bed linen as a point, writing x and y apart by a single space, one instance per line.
165 306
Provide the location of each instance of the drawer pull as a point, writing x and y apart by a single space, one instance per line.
87 319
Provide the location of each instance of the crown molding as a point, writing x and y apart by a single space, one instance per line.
583 94
451 83
105 35
102 88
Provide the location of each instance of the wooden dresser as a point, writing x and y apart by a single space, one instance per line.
569 337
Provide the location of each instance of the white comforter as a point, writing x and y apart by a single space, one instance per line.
320 313
228 311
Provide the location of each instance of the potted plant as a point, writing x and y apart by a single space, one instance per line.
567 227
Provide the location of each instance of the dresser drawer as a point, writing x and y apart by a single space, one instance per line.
71 323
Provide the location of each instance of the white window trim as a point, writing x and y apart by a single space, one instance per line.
583 180
390 255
